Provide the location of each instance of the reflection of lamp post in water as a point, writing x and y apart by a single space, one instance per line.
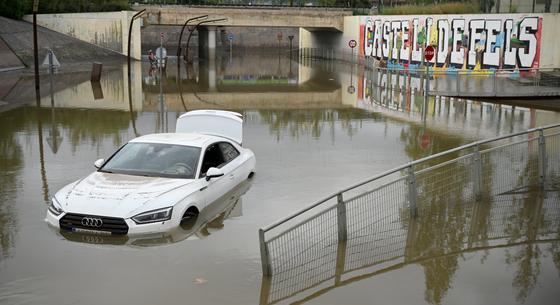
291 38
279 36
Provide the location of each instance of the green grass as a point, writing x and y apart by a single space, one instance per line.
444 8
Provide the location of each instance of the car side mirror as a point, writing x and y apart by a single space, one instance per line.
213 172
98 163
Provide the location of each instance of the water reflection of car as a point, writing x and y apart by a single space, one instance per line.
156 182
210 220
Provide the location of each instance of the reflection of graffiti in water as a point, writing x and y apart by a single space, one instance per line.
501 196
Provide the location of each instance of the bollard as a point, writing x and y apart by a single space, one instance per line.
341 218
96 71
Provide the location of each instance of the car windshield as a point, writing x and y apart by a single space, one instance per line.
154 159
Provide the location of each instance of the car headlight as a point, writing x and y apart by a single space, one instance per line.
153 216
55 208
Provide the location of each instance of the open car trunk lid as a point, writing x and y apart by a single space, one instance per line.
220 123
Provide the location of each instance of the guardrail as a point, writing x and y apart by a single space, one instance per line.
506 164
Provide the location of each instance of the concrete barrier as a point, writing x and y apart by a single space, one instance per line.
108 30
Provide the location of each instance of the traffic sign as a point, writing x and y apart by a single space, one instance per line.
429 53
352 43
351 89
230 37
161 35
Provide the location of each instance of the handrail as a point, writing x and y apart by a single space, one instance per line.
397 169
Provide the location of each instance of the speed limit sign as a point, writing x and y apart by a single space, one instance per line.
352 43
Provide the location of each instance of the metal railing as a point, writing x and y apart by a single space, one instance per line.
480 170
395 240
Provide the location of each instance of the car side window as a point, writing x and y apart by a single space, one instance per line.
213 157
228 151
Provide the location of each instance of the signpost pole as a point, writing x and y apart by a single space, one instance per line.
428 55
35 47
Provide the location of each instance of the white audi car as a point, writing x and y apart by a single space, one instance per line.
154 182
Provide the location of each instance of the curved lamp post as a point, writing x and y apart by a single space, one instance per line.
183 29
137 15
195 28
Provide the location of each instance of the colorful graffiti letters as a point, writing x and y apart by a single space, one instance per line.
471 42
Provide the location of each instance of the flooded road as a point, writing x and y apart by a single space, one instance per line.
315 127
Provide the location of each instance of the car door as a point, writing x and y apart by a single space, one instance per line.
232 164
214 188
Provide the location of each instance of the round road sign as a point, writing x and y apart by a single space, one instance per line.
351 89
429 53
352 43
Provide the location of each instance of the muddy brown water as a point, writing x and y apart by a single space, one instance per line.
311 133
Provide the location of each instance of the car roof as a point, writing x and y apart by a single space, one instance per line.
188 139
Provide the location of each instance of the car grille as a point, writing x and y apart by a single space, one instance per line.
110 224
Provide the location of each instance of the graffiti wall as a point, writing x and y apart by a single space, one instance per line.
466 42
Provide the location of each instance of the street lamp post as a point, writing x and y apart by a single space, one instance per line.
35 47
183 29
195 28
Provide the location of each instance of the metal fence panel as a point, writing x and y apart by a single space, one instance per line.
375 225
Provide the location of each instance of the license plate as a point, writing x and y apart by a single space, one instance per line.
96 232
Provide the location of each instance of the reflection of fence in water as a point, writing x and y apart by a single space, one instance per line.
419 207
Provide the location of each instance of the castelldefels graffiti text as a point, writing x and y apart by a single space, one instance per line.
471 42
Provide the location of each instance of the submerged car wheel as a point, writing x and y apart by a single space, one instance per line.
190 213
189 218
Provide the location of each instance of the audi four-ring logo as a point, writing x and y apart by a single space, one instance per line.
92 222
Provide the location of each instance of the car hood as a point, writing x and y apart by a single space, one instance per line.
116 195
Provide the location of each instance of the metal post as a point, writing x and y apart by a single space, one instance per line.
458 83
51 72
35 47
341 218
477 174
542 159
265 260
495 84
412 195
427 89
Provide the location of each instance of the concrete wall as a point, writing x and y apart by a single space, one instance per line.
108 30
243 37
253 17
382 37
